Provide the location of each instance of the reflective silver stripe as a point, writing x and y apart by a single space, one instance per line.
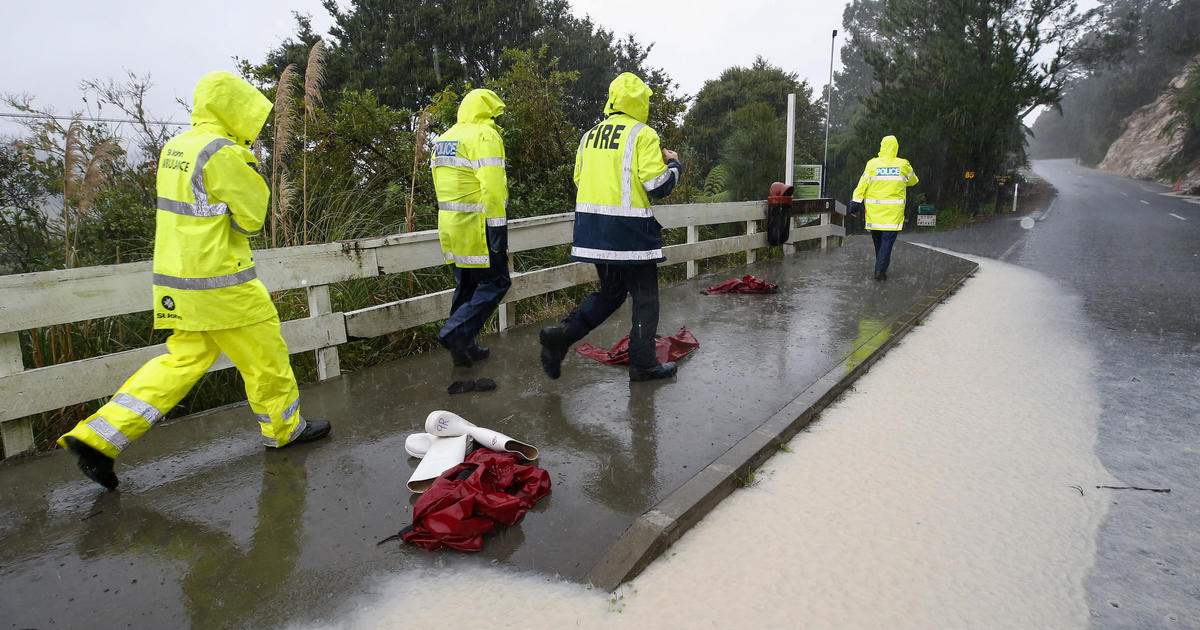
884 226
449 256
108 433
660 180
469 260
627 166
472 164
198 189
886 202
216 282
140 407
291 409
453 161
263 418
497 221
610 254
857 199
233 224
887 178
300 427
614 211
191 209
450 206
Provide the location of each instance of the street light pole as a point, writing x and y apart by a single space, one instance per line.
828 95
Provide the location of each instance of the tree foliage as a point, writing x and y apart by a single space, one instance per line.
954 79
1127 61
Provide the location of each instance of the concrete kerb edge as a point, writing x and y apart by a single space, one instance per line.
656 530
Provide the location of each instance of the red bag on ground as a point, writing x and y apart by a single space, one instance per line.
488 490
666 349
747 284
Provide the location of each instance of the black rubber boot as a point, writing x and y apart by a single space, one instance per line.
662 370
95 465
478 352
460 356
315 430
554 350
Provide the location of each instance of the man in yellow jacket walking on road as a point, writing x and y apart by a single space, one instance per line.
881 190
472 193
211 200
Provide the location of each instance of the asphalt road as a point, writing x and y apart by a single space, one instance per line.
1131 252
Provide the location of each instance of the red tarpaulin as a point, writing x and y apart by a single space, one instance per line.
746 284
474 498
666 349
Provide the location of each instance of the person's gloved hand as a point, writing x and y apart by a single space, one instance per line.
856 208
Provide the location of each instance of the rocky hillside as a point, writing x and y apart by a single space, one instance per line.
1142 148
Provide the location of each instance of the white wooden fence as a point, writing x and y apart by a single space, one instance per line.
34 300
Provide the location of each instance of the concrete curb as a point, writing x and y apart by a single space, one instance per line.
656 530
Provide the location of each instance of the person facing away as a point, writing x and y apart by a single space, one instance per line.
619 166
472 194
881 190
211 200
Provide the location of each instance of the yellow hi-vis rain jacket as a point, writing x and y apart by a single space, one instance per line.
210 201
883 186
469 177
618 161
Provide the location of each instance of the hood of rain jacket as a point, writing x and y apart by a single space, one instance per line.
630 95
236 108
889 147
481 107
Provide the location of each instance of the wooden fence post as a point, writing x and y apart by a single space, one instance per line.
17 434
328 363
693 235
751 228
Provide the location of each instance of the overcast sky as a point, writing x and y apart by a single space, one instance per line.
50 46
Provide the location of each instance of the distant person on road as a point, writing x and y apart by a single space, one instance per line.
472 193
211 200
619 166
881 190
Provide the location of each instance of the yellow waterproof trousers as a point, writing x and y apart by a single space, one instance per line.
259 353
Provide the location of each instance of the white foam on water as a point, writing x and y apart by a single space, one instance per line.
953 487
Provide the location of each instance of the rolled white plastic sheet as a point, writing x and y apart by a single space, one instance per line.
444 453
445 424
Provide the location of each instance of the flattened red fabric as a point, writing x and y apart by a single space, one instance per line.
666 349
747 284
477 497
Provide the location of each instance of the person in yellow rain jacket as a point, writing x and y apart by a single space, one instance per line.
472 194
619 166
881 190
211 200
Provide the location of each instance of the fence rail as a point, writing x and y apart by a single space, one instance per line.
49 298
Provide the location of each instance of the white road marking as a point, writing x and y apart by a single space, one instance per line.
1178 217
1144 201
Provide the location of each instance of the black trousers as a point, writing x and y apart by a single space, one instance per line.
639 280
476 296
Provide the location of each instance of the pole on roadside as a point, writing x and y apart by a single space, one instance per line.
790 151
828 95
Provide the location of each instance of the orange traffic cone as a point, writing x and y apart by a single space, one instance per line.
1177 183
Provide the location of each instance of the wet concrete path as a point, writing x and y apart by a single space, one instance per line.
212 530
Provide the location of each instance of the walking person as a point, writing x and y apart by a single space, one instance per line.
881 190
472 193
619 166
211 200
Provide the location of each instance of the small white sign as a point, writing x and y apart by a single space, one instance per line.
926 220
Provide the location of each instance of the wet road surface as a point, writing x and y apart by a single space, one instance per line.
211 530
1131 253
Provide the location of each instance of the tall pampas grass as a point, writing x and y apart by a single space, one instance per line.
285 120
418 146
84 176
314 79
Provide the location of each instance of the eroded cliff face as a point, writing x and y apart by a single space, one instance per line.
1142 148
